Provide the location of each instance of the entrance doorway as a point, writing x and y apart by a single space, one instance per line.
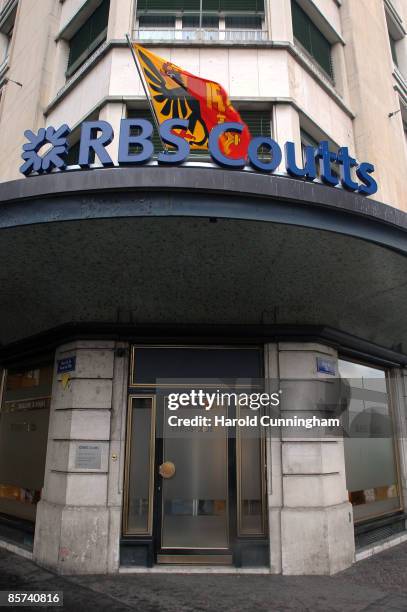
194 492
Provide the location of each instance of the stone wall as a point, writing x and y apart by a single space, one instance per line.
79 515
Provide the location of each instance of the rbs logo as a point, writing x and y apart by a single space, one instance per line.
138 149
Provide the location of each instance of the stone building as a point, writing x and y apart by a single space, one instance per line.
117 283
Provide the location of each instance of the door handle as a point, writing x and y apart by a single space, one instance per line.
167 469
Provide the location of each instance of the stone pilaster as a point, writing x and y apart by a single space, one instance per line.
316 517
76 514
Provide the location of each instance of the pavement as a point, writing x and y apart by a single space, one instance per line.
377 584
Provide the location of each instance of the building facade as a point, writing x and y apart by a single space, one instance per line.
120 283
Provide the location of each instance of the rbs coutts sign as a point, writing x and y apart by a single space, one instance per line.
138 149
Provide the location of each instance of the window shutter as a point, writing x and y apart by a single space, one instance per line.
192 21
157 21
92 32
207 5
73 154
247 22
306 33
259 124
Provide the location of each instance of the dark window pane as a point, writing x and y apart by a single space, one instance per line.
72 156
192 21
247 22
207 5
89 36
151 21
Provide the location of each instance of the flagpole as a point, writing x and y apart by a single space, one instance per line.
200 18
151 105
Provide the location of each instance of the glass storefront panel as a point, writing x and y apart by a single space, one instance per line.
24 418
370 453
250 482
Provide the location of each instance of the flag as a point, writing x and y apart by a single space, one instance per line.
178 94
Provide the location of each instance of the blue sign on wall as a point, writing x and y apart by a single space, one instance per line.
326 366
68 364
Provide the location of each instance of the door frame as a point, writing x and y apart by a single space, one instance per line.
145 549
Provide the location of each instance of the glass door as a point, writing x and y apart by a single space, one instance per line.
193 478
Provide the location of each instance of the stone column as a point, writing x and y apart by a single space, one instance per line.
280 20
121 18
78 517
316 517
286 127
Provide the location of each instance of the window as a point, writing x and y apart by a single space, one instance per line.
313 41
73 154
396 32
245 22
6 34
24 415
208 21
89 37
259 124
221 19
207 5
370 453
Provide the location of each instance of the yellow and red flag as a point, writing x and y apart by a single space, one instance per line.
178 94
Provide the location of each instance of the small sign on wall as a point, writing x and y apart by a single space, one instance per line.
67 364
88 456
326 366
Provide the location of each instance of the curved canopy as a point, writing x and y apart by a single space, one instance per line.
198 246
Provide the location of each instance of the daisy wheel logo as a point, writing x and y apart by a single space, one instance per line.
55 144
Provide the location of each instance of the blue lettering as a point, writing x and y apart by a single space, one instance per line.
309 170
97 143
369 186
182 145
346 162
143 140
326 157
269 143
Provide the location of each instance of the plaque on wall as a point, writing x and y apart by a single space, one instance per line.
88 456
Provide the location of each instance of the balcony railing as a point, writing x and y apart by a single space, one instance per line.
197 35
